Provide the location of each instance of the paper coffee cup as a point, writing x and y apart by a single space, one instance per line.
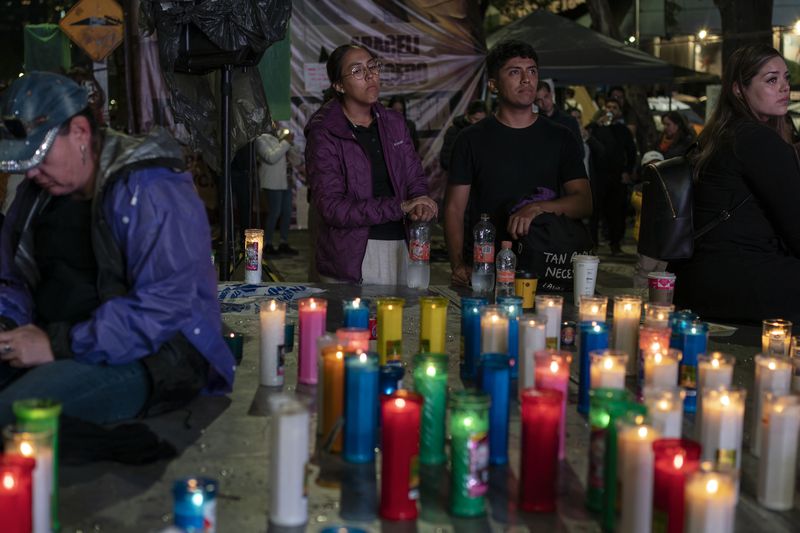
661 287
584 275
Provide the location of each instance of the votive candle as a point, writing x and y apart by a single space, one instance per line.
675 459
625 328
594 336
39 446
776 337
710 503
430 381
661 368
272 319
651 339
714 370
390 329
356 313
612 472
532 339
289 455
636 458
551 306
772 374
665 410
353 339
494 329
390 378
512 305
542 413
433 324
360 407
469 451
657 315
400 413
552 373
608 369
253 252
16 493
593 309
694 343
496 382
311 323
777 465
470 336
332 395
721 432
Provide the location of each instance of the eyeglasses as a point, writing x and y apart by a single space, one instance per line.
360 71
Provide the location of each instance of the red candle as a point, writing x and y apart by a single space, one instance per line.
675 459
552 372
541 416
16 493
401 413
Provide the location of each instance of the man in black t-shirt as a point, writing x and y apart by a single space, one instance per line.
508 157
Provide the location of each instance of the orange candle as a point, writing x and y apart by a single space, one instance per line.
332 394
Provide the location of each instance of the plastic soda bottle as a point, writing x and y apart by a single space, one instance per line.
506 269
419 255
483 256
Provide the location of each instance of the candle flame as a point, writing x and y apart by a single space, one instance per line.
400 403
312 304
639 419
712 486
725 400
433 306
597 328
233 335
627 307
660 316
468 421
357 302
273 305
677 462
694 330
656 346
663 405
595 309
197 499
494 318
642 432
340 355
554 367
431 370
26 449
531 323
8 481
389 307
511 309
772 365
657 358
778 408
550 303
715 363
363 357
608 363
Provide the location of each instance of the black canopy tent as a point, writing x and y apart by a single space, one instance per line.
573 54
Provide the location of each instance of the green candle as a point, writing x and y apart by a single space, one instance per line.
38 415
601 401
430 380
469 452
618 411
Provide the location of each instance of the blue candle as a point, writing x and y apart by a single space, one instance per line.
470 336
513 307
390 378
496 382
678 321
593 336
356 313
695 342
360 407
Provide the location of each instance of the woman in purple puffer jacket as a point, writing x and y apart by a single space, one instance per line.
364 175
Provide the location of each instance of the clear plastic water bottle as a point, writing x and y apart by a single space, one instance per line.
483 256
419 256
506 269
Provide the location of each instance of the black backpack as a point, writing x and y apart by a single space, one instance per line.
666 228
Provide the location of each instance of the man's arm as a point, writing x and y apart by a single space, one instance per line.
455 205
576 202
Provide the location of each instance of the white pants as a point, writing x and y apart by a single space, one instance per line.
385 263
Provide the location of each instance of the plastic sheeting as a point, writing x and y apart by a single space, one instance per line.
231 25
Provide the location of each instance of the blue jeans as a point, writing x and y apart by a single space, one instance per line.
98 393
279 203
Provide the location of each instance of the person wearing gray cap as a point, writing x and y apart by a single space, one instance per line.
107 295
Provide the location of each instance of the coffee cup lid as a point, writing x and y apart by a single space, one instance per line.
661 275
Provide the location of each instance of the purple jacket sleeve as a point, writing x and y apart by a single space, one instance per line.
416 180
337 206
151 218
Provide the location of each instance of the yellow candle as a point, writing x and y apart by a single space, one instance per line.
390 329
433 322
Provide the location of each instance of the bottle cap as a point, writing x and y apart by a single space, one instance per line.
505 245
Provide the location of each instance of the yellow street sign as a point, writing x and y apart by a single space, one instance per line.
95 26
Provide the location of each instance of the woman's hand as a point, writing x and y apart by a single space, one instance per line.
421 208
25 346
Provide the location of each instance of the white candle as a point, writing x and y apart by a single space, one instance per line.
625 328
665 410
593 309
550 307
635 465
776 467
272 316
532 339
661 368
289 446
776 337
714 370
721 432
607 370
657 315
796 374
494 330
773 374
710 503
253 252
